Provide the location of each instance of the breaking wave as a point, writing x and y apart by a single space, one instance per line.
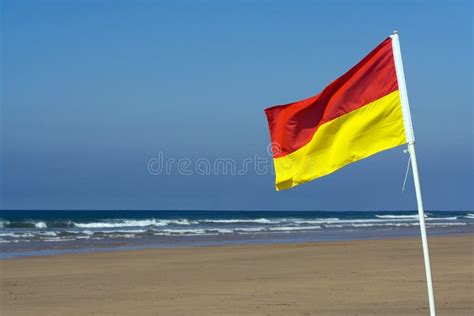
235 221
398 216
133 223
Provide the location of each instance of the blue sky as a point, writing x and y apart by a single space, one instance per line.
92 90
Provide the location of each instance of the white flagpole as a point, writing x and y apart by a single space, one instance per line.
411 150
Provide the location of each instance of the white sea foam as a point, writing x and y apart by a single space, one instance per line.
8 235
184 231
78 232
222 231
293 228
443 224
18 234
250 229
381 224
123 235
398 216
334 226
469 215
83 237
41 225
123 231
235 221
413 217
316 221
396 224
368 220
55 239
442 218
48 233
134 223
3 222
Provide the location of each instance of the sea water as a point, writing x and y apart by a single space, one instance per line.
27 233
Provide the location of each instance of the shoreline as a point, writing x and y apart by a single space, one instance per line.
337 278
285 239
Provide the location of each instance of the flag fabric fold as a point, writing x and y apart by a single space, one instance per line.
357 115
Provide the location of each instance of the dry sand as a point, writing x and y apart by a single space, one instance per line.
377 277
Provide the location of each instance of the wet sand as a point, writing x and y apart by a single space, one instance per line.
376 277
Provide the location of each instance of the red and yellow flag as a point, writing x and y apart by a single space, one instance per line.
357 115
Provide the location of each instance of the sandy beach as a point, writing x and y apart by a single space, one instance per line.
375 277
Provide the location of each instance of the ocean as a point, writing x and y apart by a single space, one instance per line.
30 233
